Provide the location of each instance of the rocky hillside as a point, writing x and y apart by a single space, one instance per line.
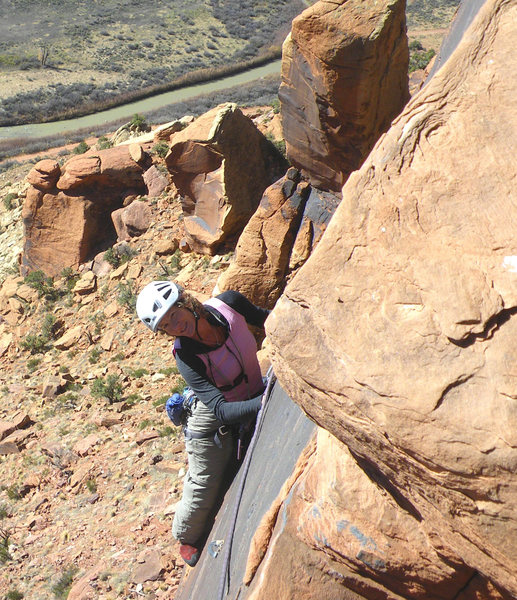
90 464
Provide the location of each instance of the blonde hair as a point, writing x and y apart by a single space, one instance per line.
193 304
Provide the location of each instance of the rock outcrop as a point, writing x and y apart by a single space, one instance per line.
67 211
278 239
409 352
344 78
220 164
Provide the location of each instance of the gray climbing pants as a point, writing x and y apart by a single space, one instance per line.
207 463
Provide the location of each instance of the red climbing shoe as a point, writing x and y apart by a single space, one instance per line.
189 554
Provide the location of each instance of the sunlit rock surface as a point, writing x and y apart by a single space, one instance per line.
344 78
398 337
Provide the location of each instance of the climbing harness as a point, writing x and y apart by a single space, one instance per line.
225 575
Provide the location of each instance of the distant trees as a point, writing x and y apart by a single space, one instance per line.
43 52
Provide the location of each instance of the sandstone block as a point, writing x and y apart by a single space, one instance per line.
69 338
155 181
345 62
132 220
86 284
44 174
220 164
89 189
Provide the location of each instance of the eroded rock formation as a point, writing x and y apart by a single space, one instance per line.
67 211
344 78
278 239
220 164
405 352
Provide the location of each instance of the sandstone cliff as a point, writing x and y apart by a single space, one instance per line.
404 351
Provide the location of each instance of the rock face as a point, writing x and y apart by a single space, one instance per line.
344 78
131 220
278 239
67 210
220 164
409 349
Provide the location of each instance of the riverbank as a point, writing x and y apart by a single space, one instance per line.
104 102
256 92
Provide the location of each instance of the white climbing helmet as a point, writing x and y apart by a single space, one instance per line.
154 301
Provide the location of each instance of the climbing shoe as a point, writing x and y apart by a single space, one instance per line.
189 554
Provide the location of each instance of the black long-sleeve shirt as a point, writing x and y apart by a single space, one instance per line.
193 369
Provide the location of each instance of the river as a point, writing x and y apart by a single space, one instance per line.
37 130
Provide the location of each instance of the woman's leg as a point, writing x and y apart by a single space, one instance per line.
206 466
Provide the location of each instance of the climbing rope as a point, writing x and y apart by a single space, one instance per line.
225 575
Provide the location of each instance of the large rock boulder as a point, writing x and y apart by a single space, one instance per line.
220 164
405 350
278 239
344 79
67 211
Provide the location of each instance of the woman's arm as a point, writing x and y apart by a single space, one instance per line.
227 412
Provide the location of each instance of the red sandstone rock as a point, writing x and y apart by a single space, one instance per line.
44 174
344 78
220 164
155 181
65 224
398 337
132 220
278 239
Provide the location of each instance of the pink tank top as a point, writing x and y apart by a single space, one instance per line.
237 357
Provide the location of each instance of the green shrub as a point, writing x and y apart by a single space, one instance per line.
3 511
419 59
12 492
32 364
35 343
161 149
50 327
94 355
276 106
111 388
99 320
103 143
160 401
137 373
40 343
126 296
91 484
81 148
67 401
116 258
179 387
4 547
13 594
8 200
167 431
111 257
138 123
70 277
169 370
132 399
61 588
43 284
415 45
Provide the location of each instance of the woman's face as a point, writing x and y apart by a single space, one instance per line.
178 322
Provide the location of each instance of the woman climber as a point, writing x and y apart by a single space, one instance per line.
216 354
